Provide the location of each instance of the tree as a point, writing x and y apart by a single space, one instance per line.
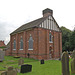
72 41
66 33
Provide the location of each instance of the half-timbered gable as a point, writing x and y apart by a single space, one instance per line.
50 23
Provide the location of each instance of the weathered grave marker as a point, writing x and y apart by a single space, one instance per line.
73 54
11 71
16 56
65 64
4 73
26 68
21 61
42 61
73 63
73 66
10 68
2 54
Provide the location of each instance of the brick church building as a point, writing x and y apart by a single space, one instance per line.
40 39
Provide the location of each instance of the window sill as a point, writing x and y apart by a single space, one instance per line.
20 49
30 49
50 42
14 49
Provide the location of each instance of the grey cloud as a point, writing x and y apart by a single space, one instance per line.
5 30
7 27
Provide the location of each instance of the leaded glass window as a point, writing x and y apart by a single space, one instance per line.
14 45
30 43
21 43
50 37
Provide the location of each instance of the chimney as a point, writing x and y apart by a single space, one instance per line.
47 12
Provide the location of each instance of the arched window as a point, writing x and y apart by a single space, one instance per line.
30 43
21 44
14 45
50 38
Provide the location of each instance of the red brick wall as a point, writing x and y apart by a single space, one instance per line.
13 52
44 43
7 52
60 44
41 44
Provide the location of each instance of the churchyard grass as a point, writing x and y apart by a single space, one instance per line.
11 61
51 67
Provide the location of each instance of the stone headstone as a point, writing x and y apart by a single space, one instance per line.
73 62
73 54
65 64
2 54
21 62
11 71
4 73
73 66
17 70
42 61
26 68
10 68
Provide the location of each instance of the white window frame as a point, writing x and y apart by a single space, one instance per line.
28 43
20 44
13 45
30 49
51 38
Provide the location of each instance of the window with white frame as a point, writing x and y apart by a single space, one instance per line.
21 44
30 43
50 38
14 45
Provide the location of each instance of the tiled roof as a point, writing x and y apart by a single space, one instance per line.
31 24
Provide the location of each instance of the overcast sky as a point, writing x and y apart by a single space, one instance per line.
14 13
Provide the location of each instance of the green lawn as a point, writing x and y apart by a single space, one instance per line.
51 67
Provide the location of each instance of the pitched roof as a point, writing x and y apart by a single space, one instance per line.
31 24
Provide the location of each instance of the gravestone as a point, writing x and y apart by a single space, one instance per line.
10 68
42 61
73 66
11 71
26 68
4 73
21 61
17 70
73 63
2 54
73 54
65 64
